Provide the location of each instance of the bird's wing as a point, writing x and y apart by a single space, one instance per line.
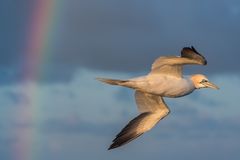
172 65
152 109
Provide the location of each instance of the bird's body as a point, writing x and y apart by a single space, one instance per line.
162 85
164 80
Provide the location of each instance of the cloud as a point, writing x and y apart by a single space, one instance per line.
125 36
76 116
110 34
14 30
82 116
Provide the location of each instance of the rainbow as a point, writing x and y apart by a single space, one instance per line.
38 46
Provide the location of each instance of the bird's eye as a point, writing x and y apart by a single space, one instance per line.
203 81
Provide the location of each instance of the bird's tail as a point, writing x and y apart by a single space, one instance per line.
112 81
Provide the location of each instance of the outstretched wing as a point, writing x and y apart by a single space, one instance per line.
152 109
172 65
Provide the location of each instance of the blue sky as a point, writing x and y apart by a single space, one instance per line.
76 117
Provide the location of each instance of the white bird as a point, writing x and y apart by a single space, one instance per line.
164 80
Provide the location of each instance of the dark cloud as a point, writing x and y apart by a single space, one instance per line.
15 20
123 35
128 36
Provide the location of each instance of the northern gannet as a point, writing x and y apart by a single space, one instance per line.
164 80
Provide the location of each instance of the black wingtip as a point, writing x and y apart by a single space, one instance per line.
128 133
188 52
112 146
205 62
194 50
191 49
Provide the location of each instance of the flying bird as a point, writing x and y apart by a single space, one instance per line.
164 80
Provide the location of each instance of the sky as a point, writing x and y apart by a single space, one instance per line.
52 50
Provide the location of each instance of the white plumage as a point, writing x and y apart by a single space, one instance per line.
164 80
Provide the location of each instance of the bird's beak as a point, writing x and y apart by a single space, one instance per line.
211 85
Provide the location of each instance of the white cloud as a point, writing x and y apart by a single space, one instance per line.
29 108
91 101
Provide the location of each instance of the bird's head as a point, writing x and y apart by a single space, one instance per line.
201 81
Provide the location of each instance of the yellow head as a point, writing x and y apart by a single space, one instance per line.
201 81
